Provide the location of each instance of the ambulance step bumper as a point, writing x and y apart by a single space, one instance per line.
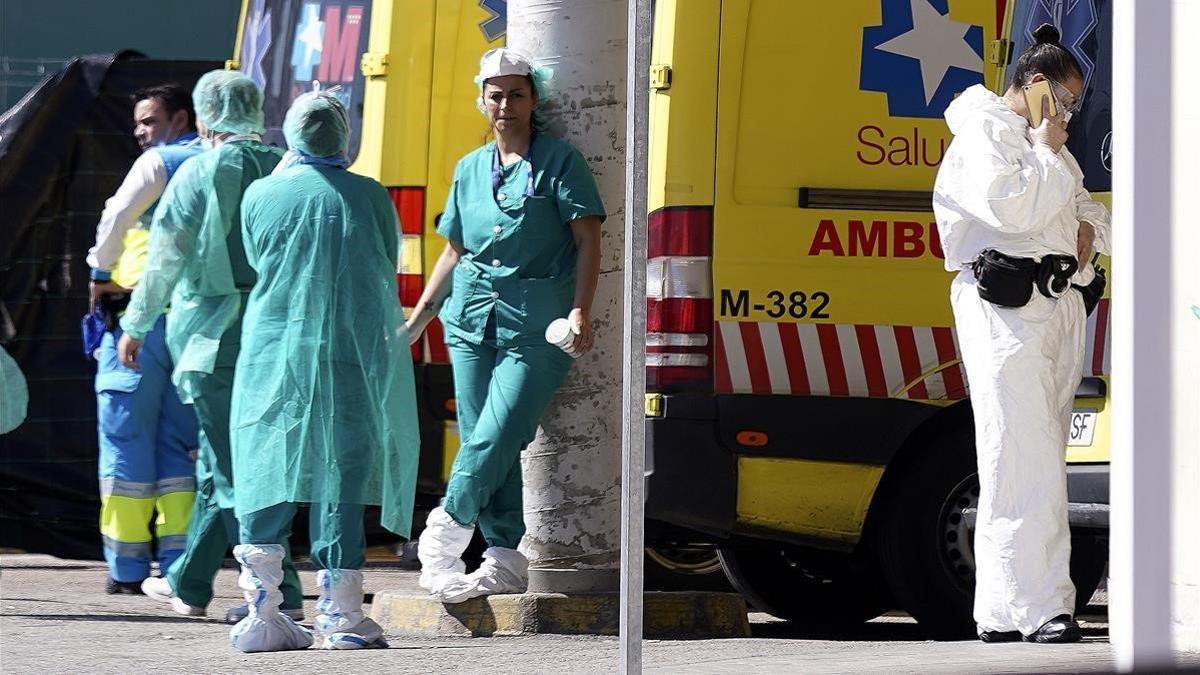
1087 497
1089 516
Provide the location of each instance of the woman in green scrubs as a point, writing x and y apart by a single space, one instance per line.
522 224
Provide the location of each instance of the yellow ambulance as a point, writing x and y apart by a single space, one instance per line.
808 417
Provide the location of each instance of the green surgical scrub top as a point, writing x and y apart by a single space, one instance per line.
519 255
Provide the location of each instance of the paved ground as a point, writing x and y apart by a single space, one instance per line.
55 617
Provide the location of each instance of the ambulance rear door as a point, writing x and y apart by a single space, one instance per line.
828 275
287 47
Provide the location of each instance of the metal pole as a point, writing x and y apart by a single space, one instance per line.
1140 562
633 425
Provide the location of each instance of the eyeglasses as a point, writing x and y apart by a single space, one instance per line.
1067 111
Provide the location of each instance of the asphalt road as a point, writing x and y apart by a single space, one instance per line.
55 617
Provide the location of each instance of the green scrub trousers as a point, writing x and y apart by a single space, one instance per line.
338 542
213 528
501 395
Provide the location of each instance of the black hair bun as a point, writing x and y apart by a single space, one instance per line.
1046 34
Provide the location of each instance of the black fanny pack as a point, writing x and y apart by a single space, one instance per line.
1009 281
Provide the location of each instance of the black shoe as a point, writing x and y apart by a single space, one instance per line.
994 636
1059 630
114 587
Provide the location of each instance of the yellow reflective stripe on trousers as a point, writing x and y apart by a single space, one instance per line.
126 519
174 513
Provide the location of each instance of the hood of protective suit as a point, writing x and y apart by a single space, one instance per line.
979 100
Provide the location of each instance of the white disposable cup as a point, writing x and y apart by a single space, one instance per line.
559 334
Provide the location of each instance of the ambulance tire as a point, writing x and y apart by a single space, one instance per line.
777 579
1089 566
672 568
926 490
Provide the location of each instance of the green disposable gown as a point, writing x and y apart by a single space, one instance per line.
324 403
14 394
194 263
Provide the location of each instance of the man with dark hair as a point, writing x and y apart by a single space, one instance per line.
162 113
147 436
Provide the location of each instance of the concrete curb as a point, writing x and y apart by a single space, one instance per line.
690 615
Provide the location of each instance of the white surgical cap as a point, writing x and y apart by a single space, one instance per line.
501 62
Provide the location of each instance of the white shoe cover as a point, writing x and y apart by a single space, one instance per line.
366 635
185 609
504 570
440 548
339 612
265 628
158 588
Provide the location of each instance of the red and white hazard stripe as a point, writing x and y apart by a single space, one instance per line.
806 359
838 360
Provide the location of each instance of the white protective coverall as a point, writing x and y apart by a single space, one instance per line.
996 189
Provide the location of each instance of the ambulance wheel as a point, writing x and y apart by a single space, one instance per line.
672 568
781 580
1089 563
924 538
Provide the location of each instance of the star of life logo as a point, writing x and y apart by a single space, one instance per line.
496 24
1076 21
920 57
325 46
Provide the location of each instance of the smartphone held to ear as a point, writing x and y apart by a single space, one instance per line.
1035 93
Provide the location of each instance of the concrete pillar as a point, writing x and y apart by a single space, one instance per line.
1185 567
572 470
1142 369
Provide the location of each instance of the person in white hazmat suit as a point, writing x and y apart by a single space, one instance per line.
1018 227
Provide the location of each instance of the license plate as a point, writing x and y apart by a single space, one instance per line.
1083 428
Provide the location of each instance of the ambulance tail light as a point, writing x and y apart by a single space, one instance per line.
679 304
410 268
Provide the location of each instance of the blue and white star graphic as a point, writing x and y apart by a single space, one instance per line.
920 57
257 43
310 35
495 26
1076 21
